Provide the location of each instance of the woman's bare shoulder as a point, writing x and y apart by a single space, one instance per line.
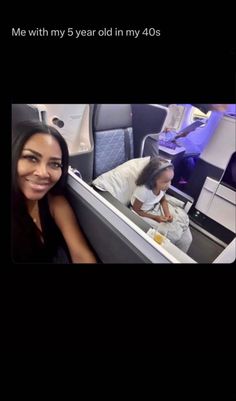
57 202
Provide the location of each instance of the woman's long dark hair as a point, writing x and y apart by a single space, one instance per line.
20 218
152 172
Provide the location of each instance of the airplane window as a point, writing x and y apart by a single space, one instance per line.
199 115
72 121
175 116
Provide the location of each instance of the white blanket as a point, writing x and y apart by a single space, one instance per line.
175 229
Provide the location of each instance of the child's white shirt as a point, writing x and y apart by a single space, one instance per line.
147 197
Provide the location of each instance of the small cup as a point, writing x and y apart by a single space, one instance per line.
159 238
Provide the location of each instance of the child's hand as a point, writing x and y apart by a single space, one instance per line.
161 219
169 218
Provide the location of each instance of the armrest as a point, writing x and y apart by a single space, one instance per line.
188 200
154 136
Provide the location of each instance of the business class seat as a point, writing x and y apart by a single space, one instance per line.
117 187
113 136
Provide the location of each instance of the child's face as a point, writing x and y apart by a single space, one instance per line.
164 181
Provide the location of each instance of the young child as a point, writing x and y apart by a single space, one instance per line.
149 201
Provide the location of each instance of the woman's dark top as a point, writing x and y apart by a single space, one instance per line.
27 244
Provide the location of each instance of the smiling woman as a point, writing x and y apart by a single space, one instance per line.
44 227
38 171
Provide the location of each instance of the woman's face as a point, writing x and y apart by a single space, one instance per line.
164 181
39 166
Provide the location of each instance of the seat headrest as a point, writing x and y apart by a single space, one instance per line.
112 116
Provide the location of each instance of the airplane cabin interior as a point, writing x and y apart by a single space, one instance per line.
110 144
